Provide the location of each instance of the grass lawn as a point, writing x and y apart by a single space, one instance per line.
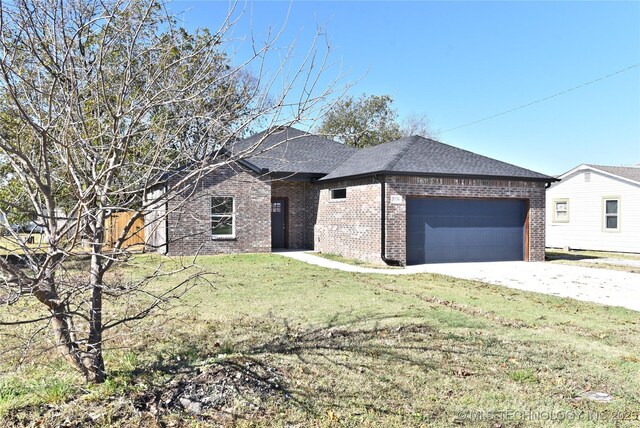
36 242
275 342
578 257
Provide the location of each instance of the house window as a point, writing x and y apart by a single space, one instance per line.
338 193
611 214
561 210
223 217
587 177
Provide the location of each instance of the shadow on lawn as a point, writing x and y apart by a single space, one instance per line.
381 342
372 348
255 378
254 372
561 255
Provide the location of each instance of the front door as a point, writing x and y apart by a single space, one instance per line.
278 223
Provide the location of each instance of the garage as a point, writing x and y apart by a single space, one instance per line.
444 230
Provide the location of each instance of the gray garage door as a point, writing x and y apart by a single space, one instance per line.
464 230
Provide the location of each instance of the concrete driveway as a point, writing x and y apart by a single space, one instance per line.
608 287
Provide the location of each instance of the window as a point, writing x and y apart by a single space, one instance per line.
587 177
338 193
223 217
611 214
561 210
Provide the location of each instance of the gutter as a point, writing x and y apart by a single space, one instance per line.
383 224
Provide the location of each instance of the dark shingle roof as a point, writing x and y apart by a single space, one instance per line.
290 150
629 172
422 156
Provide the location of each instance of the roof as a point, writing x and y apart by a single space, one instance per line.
290 150
628 172
417 155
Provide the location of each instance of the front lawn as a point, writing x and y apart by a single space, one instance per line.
276 342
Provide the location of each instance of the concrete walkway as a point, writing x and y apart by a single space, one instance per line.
608 287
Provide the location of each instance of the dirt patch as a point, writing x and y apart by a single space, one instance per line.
227 386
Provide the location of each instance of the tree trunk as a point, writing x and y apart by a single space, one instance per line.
93 361
65 340
62 323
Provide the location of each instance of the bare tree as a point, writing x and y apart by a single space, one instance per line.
416 125
99 99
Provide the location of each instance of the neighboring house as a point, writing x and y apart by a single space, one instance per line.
408 201
595 207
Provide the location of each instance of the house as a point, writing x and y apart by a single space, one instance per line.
409 201
595 207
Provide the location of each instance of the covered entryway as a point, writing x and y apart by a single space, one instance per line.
279 223
443 230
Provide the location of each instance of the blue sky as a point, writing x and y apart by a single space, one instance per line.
457 62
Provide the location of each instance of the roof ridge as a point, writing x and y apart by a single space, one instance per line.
400 155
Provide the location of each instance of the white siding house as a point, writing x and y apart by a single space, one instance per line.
595 207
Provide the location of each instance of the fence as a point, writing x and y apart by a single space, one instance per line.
116 224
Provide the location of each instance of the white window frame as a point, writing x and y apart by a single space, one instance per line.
232 216
333 198
555 217
605 215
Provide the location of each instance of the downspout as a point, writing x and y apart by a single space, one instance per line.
383 224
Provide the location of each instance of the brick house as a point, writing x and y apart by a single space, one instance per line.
408 201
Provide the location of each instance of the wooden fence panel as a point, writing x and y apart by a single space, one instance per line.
116 224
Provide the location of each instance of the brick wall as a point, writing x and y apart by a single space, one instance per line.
302 205
189 218
402 187
350 227
312 203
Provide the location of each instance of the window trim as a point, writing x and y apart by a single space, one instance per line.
218 237
333 198
618 214
554 213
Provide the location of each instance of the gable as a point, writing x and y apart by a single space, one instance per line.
627 174
598 184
